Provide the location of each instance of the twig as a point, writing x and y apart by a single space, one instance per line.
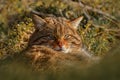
41 14
86 7
96 10
86 14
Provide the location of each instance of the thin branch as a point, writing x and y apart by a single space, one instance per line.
86 14
86 7
96 10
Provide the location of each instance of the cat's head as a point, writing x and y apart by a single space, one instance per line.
57 33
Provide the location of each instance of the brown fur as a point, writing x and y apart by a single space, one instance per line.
51 33
56 33
44 58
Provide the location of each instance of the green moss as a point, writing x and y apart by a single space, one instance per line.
17 37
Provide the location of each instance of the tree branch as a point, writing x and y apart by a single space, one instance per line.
86 7
96 10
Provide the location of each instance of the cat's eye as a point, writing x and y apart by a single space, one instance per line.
67 36
51 37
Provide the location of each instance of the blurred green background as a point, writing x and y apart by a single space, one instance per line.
100 35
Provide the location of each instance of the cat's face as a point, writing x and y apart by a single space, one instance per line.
56 33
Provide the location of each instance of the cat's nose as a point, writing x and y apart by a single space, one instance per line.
60 44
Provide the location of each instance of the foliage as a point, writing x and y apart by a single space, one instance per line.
98 34
16 24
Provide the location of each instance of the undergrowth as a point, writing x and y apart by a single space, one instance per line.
99 35
16 25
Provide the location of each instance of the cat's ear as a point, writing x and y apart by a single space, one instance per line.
38 21
75 23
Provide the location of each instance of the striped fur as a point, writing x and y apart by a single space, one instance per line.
56 33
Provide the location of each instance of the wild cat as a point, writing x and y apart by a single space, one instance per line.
54 35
